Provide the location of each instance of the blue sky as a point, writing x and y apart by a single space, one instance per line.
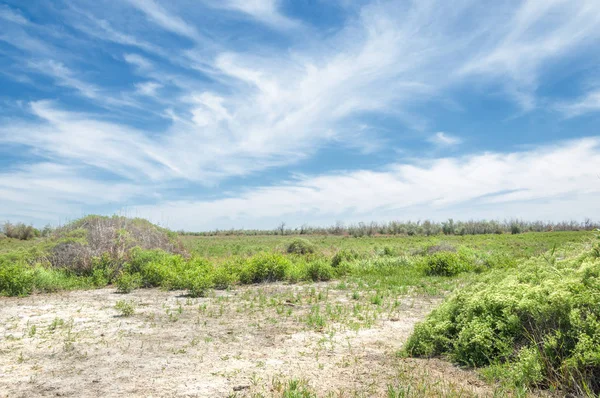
203 114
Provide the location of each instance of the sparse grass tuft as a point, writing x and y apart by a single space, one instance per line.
125 308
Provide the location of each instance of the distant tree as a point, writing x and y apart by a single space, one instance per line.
281 228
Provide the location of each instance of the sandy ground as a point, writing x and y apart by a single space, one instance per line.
243 342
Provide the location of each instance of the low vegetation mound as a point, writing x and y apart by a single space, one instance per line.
300 246
536 326
78 246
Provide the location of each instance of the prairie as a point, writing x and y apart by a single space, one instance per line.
289 316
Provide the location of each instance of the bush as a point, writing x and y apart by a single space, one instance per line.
343 256
199 284
264 267
543 322
319 270
225 275
16 277
126 282
75 245
20 231
446 264
300 246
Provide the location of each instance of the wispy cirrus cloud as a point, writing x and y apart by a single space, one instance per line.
444 139
537 32
539 183
166 98
590 102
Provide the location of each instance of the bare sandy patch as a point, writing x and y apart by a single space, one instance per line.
247 341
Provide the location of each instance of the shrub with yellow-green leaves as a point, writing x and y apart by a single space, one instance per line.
534 325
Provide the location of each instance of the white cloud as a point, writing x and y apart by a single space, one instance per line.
173 23
265 11
240 111
538 32
49 192
545 183
10 15
147 88
586 104
444 139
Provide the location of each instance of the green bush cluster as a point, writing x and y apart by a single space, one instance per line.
264 267
344 255
300 246
447 264
538 325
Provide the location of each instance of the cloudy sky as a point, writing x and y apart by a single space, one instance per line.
203 114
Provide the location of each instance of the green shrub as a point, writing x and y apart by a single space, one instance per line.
300 246
199 284
542 321
126 282
264 267
16 277
343 255
227 274
319 270
446 264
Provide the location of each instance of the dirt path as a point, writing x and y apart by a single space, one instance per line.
238 343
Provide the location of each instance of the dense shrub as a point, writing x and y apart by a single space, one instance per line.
16 277
539 326
300 246
319 270
343 255
446 264
264 267
20 231
127 282
75 245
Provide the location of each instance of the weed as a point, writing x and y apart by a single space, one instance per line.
125 308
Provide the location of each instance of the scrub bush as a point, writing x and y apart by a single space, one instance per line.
343 255
16 276
542 321
319 270
76 245
264 267
447 264
126 282
300 246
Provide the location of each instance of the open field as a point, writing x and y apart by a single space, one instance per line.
315 330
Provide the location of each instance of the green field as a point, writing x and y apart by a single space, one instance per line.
487 281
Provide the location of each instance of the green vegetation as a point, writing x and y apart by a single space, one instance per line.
410 228
300 246
538 326
523 307
125 308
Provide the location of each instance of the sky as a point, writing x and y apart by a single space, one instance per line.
218 114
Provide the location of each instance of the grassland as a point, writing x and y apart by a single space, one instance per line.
244 316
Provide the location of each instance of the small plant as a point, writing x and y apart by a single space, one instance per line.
125 308
56 322
296 388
